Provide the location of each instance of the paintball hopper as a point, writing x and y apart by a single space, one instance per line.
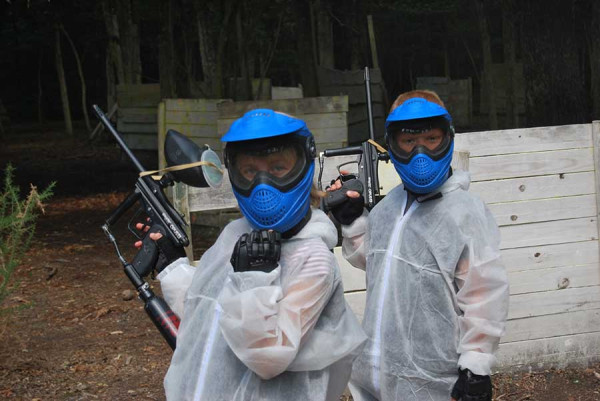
180 150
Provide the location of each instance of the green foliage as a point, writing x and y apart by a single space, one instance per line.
17 226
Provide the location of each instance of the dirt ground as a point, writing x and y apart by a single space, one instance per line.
75 334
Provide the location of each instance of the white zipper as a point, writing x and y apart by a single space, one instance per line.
394 240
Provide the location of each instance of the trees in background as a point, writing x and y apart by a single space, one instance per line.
218 48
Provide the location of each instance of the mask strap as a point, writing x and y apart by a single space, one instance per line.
179 167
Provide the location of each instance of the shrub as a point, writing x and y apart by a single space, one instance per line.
17 226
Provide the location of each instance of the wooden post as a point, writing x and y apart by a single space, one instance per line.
182 204
372 41
162 133
460 160
596 143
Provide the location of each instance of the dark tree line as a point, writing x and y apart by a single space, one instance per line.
57 57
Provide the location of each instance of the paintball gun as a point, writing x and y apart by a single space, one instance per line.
187 163
366 181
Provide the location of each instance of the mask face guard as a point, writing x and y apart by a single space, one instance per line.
302 146
416 127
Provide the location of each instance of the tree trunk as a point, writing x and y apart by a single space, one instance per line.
129 39
213 31
264 67
64 96
81 79
488 81
509 42
246 83
114 45
207 53
325 38
166 57
552 62
40 91
111 79
304 41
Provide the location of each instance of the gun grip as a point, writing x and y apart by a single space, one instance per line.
335 198
145 260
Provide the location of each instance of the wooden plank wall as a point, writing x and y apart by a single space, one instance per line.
195 118
541 184
351 83
136 115
325 116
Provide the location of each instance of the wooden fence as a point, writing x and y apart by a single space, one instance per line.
541 184
136 115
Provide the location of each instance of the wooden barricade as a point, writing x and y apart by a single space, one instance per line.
136 115
541 184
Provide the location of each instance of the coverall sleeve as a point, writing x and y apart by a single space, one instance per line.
355 241
175 280
483 298
264 323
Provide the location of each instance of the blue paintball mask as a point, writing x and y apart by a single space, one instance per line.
422 169
270 160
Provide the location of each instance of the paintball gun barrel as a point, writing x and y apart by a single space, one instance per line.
162 217
369 153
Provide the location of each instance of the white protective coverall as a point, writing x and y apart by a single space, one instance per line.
285 335
437 292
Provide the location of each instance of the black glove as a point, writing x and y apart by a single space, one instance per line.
349 210
167 253
260 250
472 387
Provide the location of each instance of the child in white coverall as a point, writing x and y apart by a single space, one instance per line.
437 292
263 315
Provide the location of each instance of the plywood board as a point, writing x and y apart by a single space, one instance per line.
544 210
353 278
194 105
528 188
560 324
193 117
558 352
526 281
531 164
295 107
138 95
524 140
552 302
547 256
552 232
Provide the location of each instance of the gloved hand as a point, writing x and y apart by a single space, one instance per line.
167 253
259 250
348 205
472 387
155 241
